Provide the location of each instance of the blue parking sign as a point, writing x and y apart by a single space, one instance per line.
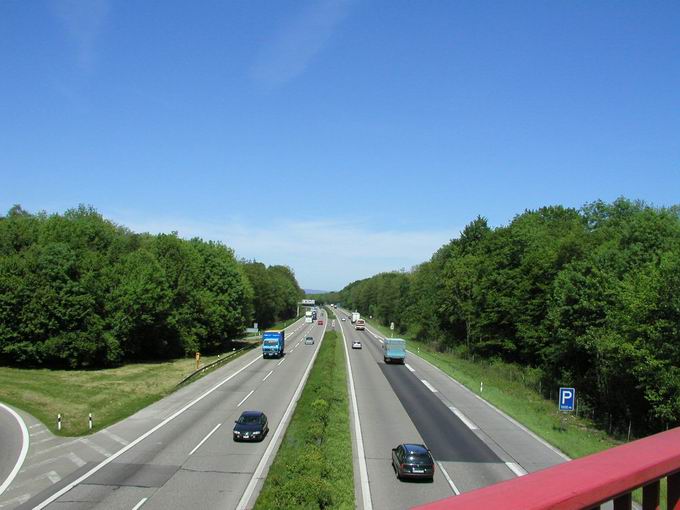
567 399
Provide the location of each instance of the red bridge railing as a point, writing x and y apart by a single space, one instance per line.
588 482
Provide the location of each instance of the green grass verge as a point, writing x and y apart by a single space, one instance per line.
313 467
110 394
505 388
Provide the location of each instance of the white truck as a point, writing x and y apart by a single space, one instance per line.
360 325
308 317
355 317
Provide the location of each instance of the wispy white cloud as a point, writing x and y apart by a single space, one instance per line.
324 254
290 51
83 20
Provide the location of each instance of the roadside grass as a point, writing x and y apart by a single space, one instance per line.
110 394
576 436
313 467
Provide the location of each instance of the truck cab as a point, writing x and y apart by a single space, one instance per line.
394 350
273 343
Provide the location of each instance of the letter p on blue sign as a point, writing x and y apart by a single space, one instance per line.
567 399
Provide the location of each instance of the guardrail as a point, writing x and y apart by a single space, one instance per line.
210 365
588 482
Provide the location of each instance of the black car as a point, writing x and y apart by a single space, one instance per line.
413 461
251 426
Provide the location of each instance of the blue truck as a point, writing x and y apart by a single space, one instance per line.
273 343
394 349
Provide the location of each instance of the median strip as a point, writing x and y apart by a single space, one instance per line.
313 467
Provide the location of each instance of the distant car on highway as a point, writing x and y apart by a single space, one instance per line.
309 340
344 318
356 344
251 426
320 322
413 461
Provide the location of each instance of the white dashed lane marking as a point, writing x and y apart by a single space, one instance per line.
463 418
245 398
516 468
429 386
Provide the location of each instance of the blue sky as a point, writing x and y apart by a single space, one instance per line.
342 138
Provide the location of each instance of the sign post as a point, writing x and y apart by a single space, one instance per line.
198 360
391 329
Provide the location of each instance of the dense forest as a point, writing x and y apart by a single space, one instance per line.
77 290
587 298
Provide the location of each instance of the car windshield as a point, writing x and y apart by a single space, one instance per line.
249 418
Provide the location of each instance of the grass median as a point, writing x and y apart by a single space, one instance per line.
110 394
313 467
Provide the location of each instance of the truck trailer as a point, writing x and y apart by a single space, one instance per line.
355 317
273 343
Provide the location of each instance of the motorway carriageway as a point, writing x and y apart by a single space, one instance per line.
186 458
473 444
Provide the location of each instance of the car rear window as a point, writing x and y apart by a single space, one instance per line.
419 457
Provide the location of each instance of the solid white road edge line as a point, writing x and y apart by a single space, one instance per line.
141 438
245 398
363 470
469 423
138 505
409 367
265 377
204 439
429 386
24 448
448 479
247 494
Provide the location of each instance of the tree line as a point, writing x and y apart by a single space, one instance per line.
77 290
587 298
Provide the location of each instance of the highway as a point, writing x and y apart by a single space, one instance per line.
473 444
178 452
15 441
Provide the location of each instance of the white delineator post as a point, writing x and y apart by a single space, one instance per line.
89 420
59 421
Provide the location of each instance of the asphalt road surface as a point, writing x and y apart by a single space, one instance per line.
12 442
473 444
178 453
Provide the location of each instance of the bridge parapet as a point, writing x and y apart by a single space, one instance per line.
588 482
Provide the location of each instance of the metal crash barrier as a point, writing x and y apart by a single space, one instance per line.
588 482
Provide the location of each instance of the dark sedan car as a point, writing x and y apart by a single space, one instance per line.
413 461
251 426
